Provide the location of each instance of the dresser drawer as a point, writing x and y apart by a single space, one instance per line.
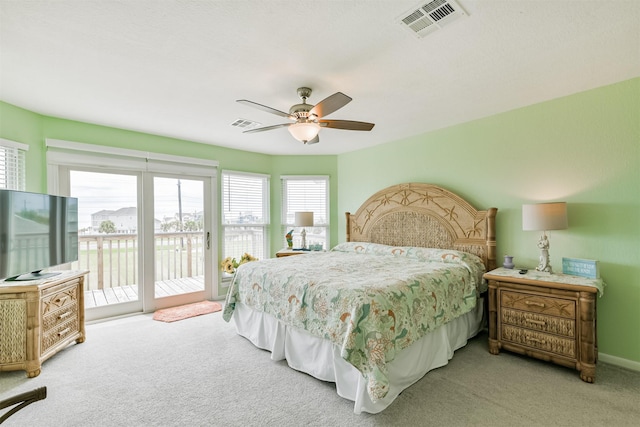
538 304
540 341
62 315
539 322
60 311
59 332
59 297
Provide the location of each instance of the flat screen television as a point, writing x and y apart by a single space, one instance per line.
37 231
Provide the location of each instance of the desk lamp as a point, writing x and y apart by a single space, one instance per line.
544 217
304 219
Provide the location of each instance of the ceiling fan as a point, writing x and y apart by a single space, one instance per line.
308 119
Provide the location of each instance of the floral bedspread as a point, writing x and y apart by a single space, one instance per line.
371 300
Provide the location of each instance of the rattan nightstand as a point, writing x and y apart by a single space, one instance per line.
547 316
289 252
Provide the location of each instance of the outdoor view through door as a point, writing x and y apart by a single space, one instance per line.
110 236
179 236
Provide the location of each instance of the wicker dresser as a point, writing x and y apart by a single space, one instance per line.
40 318
547 316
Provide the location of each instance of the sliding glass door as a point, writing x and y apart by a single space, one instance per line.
145 239
179 240
108 239
147 225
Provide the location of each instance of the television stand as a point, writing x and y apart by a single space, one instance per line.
39 318
35 275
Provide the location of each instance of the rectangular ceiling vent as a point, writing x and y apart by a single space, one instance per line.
430 17
245 124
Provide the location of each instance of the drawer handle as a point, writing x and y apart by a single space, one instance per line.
63 315
61 300
537 304
64 332
536 322
543 342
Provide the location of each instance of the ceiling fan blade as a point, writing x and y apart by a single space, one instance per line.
282 125
314 140
265 108
346 124
330 104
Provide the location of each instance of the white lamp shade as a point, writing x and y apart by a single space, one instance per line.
304 132
544 216
304 219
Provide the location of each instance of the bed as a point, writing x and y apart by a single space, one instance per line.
377 312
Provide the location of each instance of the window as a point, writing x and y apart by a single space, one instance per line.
245 214
306 193
12 165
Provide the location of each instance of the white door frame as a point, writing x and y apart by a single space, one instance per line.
65 155
150 302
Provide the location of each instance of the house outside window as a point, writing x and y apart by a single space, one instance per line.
306 194
12 165
245 214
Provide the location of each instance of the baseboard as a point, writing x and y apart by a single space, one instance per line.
619 361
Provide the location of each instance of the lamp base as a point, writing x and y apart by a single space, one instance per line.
544 264
303 234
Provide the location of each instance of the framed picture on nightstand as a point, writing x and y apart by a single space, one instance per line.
581 267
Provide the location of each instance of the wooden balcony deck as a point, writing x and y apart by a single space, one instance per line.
118 294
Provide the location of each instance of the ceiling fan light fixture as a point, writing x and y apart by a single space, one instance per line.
304 131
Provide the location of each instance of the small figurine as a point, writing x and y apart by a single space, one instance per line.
289 237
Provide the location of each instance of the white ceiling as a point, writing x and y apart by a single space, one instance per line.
176 67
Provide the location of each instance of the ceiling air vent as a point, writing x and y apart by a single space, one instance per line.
245 124
431 16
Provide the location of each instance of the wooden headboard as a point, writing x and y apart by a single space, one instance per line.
425 215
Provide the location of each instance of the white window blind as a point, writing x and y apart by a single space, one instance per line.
12 165
245 214
309 194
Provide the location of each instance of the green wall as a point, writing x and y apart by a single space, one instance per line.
583 149
24 126
29 128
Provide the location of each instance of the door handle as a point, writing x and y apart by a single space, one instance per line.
208 240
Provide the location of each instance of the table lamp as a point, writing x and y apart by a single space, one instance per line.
304 219
544 217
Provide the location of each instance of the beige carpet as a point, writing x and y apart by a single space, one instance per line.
199 372
181 312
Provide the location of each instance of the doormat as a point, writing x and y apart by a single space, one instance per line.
174 314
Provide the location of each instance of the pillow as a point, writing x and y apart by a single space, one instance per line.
472 262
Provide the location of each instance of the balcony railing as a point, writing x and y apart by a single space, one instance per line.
112 259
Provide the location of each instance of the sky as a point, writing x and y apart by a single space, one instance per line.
98 191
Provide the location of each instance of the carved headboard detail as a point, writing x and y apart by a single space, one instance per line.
425 215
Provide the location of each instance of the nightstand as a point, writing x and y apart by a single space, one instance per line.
288 252
551 317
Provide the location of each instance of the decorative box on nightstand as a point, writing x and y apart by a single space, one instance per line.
547 316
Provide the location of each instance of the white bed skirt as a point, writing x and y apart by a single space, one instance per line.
321 358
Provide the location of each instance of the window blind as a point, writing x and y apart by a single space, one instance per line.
244 198
12 165
245 214
305 194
